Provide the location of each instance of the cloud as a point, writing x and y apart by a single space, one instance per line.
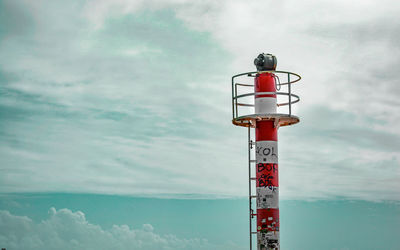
141 108
133 97
64 229
348 60
333 154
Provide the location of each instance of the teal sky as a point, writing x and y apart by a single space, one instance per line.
88 221
108 106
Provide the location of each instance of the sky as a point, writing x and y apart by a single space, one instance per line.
132 99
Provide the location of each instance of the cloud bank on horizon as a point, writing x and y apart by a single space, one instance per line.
133 97
64 229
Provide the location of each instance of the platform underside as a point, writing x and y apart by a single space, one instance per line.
279 119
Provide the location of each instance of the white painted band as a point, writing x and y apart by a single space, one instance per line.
267 197
265 105
266 152
270 239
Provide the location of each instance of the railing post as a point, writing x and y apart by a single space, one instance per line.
290 95
236 101
233 106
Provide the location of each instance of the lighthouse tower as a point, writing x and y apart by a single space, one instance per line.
265 88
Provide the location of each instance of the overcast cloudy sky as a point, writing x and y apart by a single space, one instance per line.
133 97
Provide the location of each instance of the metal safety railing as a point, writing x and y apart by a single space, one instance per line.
245 120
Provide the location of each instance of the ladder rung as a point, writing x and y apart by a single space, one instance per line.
253 178
253 196
253 232
252 160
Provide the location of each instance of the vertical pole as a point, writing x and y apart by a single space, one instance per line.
236 101
290 94
267 186
233 97
250 209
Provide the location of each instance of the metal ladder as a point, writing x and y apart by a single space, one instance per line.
252 213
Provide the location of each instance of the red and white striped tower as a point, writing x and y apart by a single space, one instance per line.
266 122
267 184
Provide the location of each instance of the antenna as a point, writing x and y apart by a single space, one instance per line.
262 115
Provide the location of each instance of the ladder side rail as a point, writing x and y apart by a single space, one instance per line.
250 208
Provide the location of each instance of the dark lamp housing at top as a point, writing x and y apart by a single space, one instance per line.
265 62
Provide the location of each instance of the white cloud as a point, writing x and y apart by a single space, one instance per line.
142 106
64 229
335 46
346 52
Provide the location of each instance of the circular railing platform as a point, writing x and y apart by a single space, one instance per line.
280 119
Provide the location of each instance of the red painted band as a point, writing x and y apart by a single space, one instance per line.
264 82
267 175
268 219
266 131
